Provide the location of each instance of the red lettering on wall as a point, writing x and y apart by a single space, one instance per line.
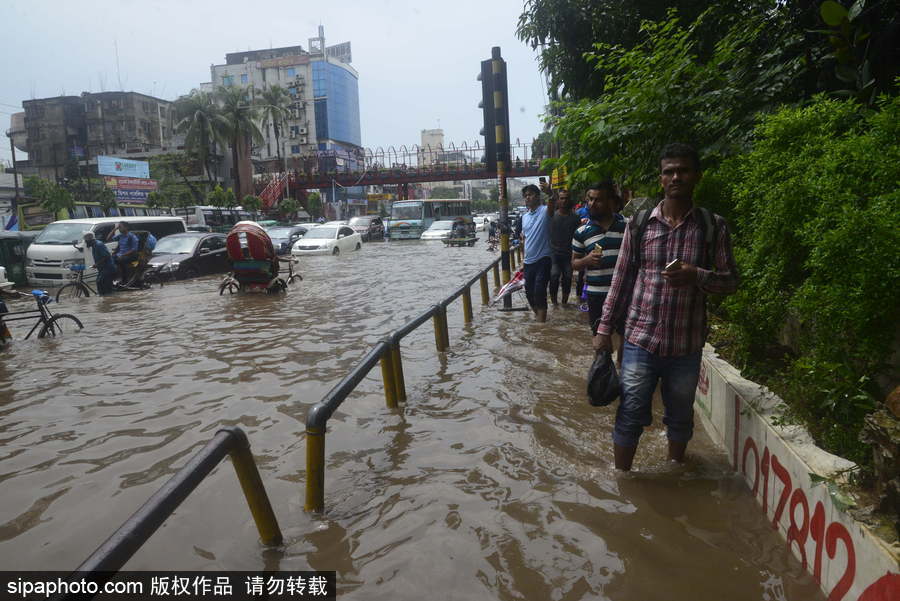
817 531
834 533
750 444
785 478
802 526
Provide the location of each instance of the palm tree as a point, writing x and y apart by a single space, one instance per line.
274 103
241 118
199 118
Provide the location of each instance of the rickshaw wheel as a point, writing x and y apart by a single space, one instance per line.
230 286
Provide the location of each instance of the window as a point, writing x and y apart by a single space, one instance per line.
346 231
228 80
128 212
243 78
292 91
295 149
295 130
291 72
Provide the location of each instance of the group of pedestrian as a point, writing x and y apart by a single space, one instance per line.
646 280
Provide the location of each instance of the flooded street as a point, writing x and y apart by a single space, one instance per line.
494 480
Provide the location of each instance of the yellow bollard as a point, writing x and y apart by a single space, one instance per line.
467 304
399 383
255 492
315 470
388 377
485 298
438 329
496 275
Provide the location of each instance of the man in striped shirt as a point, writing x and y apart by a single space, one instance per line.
660 283
595 246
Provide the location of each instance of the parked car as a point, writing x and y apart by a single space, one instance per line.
369 227
340 222
438 231
189 255
284 236
480 222
327 240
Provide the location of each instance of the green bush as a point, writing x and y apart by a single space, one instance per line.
816 208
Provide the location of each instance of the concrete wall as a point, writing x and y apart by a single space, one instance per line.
847 561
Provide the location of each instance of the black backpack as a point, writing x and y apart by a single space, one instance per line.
709 225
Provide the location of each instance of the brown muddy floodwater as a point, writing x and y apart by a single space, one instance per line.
494 481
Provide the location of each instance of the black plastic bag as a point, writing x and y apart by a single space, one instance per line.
603 381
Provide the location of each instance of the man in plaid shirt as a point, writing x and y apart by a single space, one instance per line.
664 301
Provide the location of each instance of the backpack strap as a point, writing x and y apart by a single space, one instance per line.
709 226
637 225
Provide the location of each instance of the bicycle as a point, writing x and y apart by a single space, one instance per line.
79 288
50 324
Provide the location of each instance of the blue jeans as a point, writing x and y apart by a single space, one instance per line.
640 372
537 275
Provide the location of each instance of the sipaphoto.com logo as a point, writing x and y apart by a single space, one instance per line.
22 587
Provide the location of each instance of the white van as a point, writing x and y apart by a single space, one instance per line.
60 244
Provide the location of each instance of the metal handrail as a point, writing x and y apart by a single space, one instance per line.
124 542
387 351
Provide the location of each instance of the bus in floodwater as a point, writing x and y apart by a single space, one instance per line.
409 218
216 219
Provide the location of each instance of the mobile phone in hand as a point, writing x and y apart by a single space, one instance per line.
673 265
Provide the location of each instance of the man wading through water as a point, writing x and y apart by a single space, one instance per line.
671 258
536 235
562 227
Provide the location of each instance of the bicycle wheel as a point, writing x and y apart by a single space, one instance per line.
73 290
61 324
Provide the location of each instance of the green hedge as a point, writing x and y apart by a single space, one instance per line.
816 211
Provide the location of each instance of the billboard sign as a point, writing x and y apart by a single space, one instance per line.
122 167
131 189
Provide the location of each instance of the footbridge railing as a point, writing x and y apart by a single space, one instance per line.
387 352
124 542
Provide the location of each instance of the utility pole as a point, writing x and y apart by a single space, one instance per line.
14 207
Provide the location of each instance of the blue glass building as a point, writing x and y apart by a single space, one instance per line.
336 96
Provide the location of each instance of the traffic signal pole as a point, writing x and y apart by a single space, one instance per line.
495 104
501 119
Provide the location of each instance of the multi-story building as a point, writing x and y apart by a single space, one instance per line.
57 131
324 88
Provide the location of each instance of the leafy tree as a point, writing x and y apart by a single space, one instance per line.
274 103
288 206
240 118
314 205
661 91
495 195
230 199
199 118
217 197
107 199
172 171
52 197
252 203
816 210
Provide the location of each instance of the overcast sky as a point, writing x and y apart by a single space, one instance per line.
417 61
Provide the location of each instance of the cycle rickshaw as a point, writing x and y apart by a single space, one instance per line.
254 263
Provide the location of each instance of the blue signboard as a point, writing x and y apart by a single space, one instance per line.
122 167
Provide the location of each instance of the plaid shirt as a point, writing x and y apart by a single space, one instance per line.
663 319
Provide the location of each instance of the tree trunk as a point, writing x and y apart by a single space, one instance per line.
235 168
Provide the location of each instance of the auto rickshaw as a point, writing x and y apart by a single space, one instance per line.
12 254
254 263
